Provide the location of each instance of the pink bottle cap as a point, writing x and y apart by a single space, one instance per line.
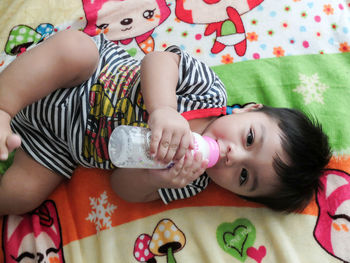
214 151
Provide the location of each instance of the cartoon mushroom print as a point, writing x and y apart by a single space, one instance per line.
141 250
45 29
167 239
21 37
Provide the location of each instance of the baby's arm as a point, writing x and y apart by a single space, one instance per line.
171 134
62 61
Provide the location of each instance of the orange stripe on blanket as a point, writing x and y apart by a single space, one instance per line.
77 200
341 162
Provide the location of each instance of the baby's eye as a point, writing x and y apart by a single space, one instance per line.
243 176
250 138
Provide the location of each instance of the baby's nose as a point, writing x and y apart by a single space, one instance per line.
235 154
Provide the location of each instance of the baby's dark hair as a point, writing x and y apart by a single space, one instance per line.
308 152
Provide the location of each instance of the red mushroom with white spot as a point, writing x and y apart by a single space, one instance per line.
141 250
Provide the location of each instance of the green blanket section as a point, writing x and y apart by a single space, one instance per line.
325 80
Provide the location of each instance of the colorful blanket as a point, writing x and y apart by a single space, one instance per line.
292 53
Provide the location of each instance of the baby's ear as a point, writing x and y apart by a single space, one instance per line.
247 108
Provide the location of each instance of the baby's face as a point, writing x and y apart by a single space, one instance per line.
248 143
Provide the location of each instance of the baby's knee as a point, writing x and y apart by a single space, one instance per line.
23 205
23 200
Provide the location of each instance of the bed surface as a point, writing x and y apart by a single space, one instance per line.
296 54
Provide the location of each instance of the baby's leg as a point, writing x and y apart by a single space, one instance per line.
25 185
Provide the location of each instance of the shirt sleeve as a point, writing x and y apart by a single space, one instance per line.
170 194
198 86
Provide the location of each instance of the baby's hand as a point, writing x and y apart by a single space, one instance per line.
171 135
184 171
8 140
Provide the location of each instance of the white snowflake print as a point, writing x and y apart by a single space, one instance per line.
311 88
101 212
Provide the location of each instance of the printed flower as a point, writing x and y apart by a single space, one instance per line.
270 32
287 8
278 51
296 0
254 22
252 36
285 25
303 14
227 59
344 47
198 51
328 9
334 26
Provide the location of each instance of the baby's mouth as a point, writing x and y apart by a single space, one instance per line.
126 29
221 149
223 159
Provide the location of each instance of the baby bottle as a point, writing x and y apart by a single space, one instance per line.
129 146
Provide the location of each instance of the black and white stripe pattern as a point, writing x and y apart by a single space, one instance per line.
198 86
170 194
44 128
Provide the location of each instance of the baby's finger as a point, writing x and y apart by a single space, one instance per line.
155 139
197 161
173 147
183 147
198 168
163 146
177 167
200 164
186 168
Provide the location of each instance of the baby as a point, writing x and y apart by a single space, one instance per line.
61 100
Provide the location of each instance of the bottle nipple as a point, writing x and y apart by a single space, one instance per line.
214 151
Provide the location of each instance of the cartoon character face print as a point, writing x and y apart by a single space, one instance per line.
332 229
223 17
33 237
122 20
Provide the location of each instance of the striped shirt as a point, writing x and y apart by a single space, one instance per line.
71 127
